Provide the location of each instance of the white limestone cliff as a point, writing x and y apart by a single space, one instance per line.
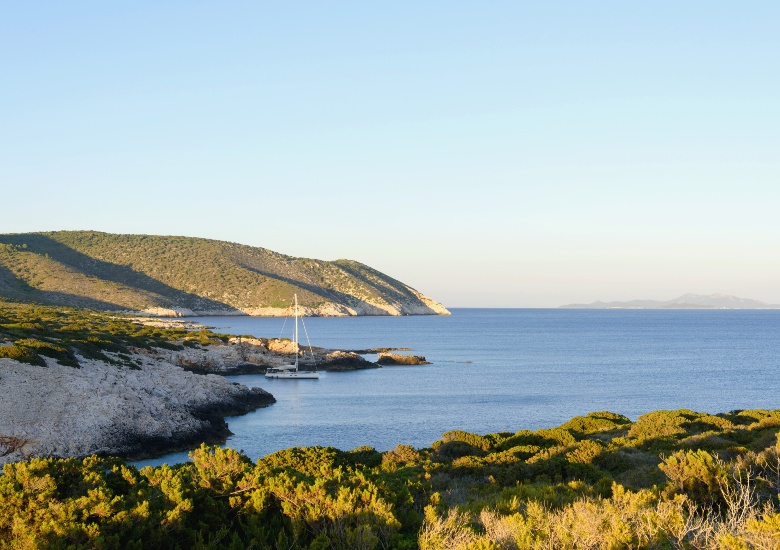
102 408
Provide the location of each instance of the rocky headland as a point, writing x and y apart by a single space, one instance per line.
183 276
101 408
167 400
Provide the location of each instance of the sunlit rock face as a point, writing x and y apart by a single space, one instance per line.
107 409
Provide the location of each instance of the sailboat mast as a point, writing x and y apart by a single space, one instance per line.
296 331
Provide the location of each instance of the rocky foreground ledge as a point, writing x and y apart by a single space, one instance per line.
108 409
157 401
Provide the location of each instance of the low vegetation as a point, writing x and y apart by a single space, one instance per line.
28 333
672 479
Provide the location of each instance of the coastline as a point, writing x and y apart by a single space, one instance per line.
426 306
213 430
104 409
168 401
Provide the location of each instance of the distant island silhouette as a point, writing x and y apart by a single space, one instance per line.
686 301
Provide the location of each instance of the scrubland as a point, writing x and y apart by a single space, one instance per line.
672 479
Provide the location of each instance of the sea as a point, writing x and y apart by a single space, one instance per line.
504 370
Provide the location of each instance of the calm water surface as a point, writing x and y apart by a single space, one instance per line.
509 369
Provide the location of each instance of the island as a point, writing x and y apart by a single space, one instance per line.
686 301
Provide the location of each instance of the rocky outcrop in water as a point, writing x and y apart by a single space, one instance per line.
344 360
255 355
387 358
170 399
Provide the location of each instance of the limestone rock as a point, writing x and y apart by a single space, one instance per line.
107 409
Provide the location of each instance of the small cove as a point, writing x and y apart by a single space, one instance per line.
509 369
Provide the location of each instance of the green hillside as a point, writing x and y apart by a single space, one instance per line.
190 275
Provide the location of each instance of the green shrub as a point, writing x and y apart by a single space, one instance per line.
553 495
457 449
63 355
481 442
557 436
515 454
661 424
365 456
401 454
697 474
596 422
524 438
585 452
22 354
664 427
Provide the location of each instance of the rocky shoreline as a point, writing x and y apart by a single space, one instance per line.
101 408
422 306
168 400
213 430
241 355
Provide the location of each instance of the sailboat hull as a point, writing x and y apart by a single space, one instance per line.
293 374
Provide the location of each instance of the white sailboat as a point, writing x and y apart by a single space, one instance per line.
291 371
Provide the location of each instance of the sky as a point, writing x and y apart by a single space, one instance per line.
488 154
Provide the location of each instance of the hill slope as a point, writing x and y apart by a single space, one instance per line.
190 276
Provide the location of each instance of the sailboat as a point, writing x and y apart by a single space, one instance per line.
291 371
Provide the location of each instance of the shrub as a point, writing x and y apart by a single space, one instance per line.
481 442
401 454
558 436
697 474
63 355
596 422
367 456
585 452
22 354
457 449
661 424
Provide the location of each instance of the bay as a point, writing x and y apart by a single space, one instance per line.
508 369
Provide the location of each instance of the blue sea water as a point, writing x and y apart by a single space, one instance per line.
509 369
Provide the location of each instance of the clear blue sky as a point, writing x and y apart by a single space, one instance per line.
486 153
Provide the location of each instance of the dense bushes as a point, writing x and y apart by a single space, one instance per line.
219 499
597 481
